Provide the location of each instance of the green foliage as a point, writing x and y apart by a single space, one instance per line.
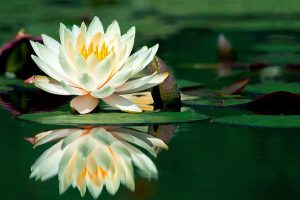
114 118
272 86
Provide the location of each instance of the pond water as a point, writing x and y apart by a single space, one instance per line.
204 160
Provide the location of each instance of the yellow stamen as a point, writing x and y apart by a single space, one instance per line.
100 55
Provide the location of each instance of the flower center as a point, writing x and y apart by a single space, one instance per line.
99 52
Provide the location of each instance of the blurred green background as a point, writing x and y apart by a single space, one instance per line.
205 161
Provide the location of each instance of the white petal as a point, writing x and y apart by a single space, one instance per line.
67 67
95 27
84 104
134 140
63 170
75 30
127 41
86 146
93 189
136 61
155 80
49 136
144 163
112 29
62 28
80 43
51 43
80 64
92 62
120 78
102 92
153 51
135 83
134 64
71 138
158 142
102 136
103 158
49 85
87 82
83 27
69 46
104 69
73 90
53 73
121 103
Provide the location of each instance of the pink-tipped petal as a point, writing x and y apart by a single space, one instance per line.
29 80
30 139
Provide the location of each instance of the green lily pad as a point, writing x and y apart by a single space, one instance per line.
217 102
276 48
262 121
273 86
114 118
185 84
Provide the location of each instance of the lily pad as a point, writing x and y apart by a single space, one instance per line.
273 86
217 102
262 121
114 118
276 48
186 84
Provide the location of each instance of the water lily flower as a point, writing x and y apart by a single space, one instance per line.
94 64
92 158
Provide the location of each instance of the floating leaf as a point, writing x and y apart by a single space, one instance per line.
263 121
273 86
276 103
217 102
114 118
186 84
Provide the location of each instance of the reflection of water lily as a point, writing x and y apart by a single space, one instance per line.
95 157
94 64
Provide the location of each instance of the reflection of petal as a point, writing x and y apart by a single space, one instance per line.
91 158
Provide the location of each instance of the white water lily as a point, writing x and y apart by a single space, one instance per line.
94 64
92 158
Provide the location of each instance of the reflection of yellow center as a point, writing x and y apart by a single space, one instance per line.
95 174
100 53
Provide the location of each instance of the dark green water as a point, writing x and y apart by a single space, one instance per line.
204 160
